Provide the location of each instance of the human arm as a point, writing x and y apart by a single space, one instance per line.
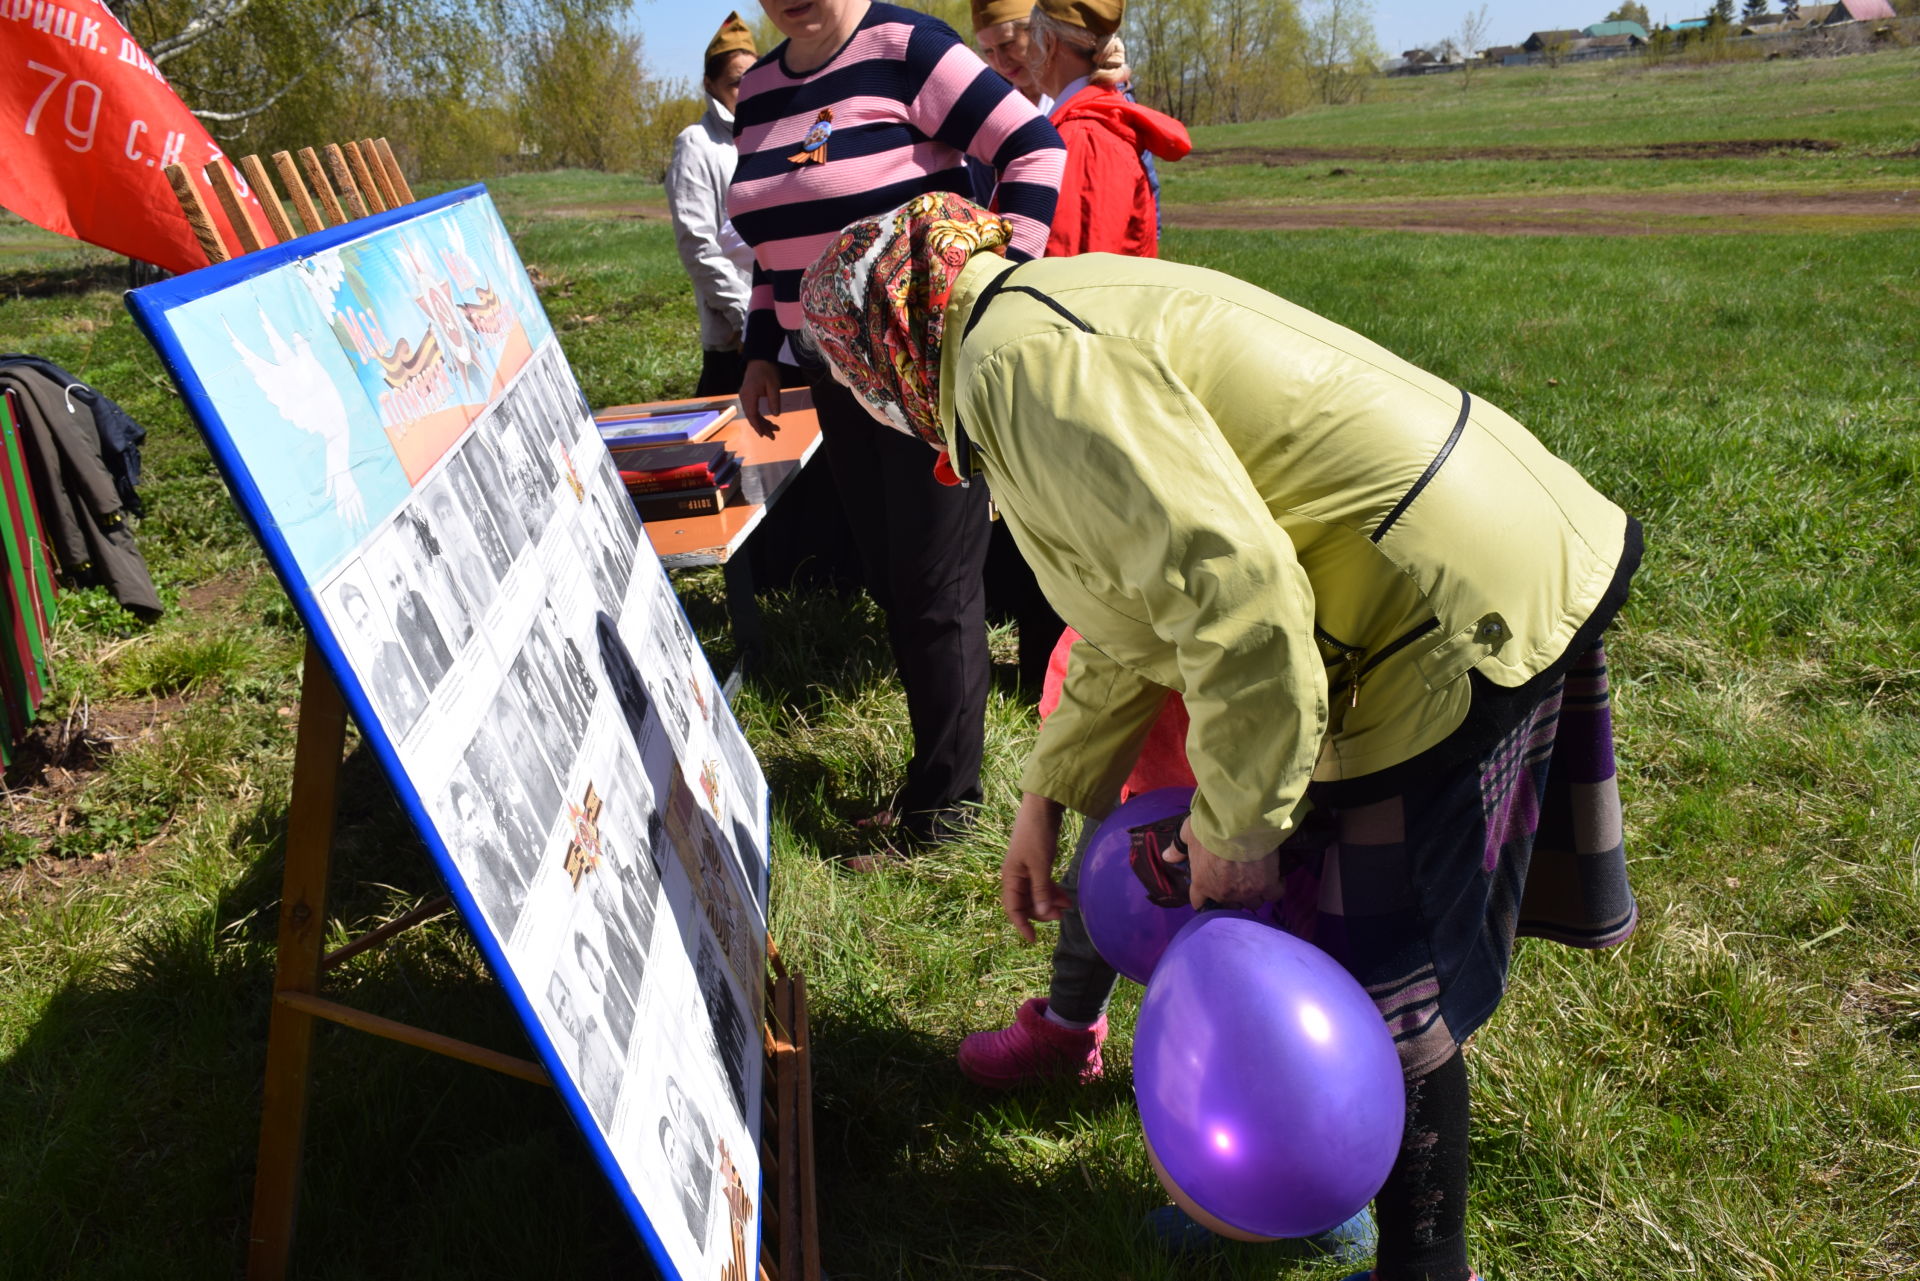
1191 580
1028 892
697 179
960 101
1095 205
761 382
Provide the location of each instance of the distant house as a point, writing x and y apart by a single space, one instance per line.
1500 53
1857 11
1634 29
1690 24
1541 41
1814 15
1417 58
1608 44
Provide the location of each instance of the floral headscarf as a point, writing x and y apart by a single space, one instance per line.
876 303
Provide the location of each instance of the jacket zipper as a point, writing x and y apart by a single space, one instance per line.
1352 655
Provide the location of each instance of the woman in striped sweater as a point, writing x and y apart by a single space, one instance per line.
861 108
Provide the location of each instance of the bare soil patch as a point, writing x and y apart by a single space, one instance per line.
1572 213
1708 149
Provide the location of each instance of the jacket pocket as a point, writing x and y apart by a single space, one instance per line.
1453 657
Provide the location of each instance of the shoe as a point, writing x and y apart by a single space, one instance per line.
1367 1275
1031 1051
1349 1243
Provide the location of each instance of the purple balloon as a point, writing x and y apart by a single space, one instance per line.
1268 1084
1127 928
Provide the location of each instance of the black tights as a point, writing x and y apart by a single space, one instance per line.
1423 1207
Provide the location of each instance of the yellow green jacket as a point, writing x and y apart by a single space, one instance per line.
1310 539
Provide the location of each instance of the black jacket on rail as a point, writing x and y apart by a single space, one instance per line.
83 459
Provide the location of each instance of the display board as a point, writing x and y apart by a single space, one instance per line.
395 417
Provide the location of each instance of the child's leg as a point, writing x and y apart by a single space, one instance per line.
1082 982
1423 1208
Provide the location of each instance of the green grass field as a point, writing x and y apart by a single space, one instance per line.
1734 1094
1599 127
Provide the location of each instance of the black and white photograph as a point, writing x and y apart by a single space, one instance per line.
375 651
687 1142
575 704
431 565
727 1020
486 508
582 1039
483 460
414 623
594 971
570 662
596 561
522 755
526 440
623 679
534 699
473 545
480 844
506 799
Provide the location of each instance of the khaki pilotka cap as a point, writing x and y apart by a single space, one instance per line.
991 13
734 36
1102 17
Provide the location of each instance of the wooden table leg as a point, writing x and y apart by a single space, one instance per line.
743 612
303 913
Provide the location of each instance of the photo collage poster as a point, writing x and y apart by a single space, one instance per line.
393 413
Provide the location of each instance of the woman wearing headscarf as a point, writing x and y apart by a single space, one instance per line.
1381 599
1107 202
718 260
865 105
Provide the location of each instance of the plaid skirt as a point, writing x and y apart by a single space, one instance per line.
1420 895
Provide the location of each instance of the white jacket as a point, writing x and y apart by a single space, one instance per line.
720 263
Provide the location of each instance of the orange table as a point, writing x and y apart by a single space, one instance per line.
768 466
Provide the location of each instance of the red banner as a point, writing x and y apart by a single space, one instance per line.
87 124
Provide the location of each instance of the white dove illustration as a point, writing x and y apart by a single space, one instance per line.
299 387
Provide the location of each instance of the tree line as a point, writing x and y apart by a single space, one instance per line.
472 88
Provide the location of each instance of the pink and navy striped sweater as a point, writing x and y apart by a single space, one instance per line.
910 102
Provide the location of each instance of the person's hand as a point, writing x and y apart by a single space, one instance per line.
1224 881
761 382
1028 892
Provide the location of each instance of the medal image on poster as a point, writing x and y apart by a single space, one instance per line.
395 418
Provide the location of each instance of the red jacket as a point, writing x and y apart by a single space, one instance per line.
1163 756
1105 205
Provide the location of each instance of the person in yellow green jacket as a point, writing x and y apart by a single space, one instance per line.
1380 598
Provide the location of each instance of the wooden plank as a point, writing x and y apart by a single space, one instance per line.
435 906
382 181
322 189
269 198
196 211
394 174
297 191
407 1034
363 178
343 179
802 1156
320 740
788 1182
239 217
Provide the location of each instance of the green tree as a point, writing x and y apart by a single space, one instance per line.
1341 52
1721 14
1631 12
1753 9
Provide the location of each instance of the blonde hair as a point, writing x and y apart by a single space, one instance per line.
1108 54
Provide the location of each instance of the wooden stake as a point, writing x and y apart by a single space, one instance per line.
297 191
196 211
378 172
238 216
321 187
269 198
363 178
318 745
343 179
392 166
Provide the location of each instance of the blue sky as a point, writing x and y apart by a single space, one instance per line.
677 32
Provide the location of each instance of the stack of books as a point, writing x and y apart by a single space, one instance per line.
667 457
669 481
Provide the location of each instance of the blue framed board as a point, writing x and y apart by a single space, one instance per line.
396 421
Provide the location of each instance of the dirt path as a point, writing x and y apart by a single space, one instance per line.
1576 213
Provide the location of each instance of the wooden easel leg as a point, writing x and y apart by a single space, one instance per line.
303 912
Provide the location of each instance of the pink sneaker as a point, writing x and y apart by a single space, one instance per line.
1031 1051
